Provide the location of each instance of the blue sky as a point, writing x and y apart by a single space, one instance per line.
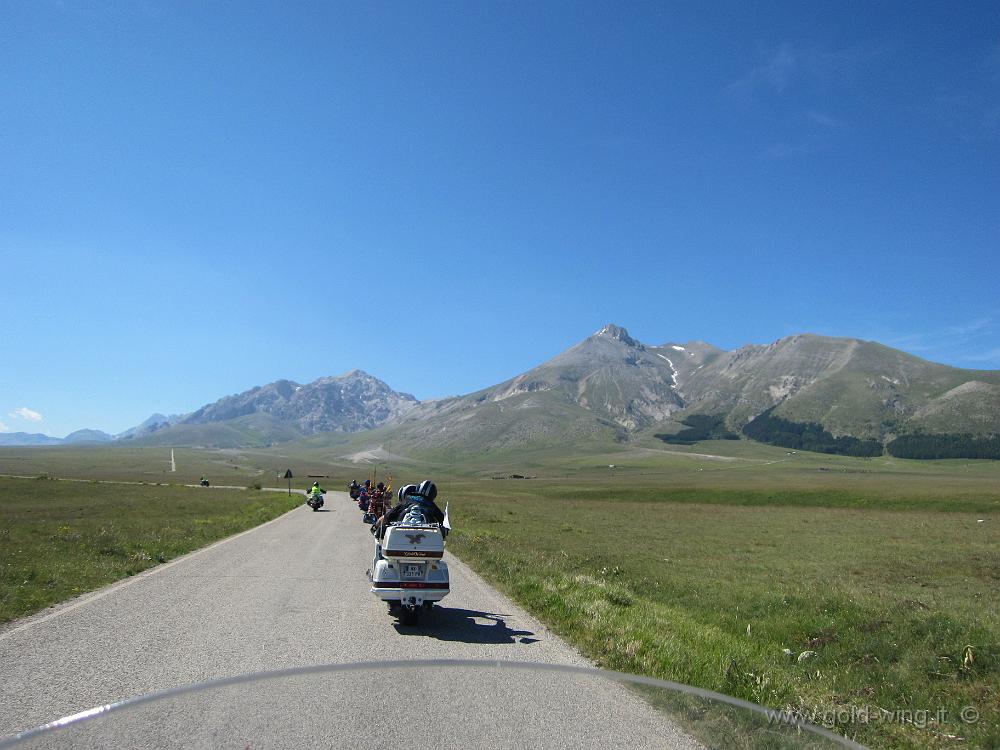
196 198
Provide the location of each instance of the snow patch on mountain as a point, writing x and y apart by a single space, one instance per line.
673 370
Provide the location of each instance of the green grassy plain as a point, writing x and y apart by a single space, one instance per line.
132 464
894 590
59 539
704 563
223 467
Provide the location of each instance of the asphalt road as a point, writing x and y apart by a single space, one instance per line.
294 593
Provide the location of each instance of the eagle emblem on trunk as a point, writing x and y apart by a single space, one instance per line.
414 538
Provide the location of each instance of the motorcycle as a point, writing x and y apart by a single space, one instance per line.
315 500
204 483
407 571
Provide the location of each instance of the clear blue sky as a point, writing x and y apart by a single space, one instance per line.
196 198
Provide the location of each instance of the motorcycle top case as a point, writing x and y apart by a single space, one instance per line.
413 543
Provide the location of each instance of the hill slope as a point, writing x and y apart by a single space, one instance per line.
594 393
248 431
850 387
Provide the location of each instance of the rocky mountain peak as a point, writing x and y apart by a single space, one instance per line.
618 334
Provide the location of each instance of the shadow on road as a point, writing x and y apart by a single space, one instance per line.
452 624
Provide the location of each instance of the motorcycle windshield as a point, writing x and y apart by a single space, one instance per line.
431 704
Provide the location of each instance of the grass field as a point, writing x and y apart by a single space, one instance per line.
896 597
59 539
718 564
131 464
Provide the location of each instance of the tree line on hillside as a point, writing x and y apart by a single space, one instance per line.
945 446
811 436
807 436
700 427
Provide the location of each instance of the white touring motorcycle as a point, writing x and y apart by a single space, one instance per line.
407 571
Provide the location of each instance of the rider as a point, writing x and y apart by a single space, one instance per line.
373 508
411 496
316 489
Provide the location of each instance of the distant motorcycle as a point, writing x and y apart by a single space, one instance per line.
315 500
204 483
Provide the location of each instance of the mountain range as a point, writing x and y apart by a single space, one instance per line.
281 411
611 387
36 438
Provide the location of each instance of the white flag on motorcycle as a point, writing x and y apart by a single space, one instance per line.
447 523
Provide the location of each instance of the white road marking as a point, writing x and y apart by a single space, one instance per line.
173 464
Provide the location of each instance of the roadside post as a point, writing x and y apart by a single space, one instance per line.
288 476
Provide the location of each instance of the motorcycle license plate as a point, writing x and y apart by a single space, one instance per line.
413 571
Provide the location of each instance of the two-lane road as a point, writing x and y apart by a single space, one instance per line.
290 593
